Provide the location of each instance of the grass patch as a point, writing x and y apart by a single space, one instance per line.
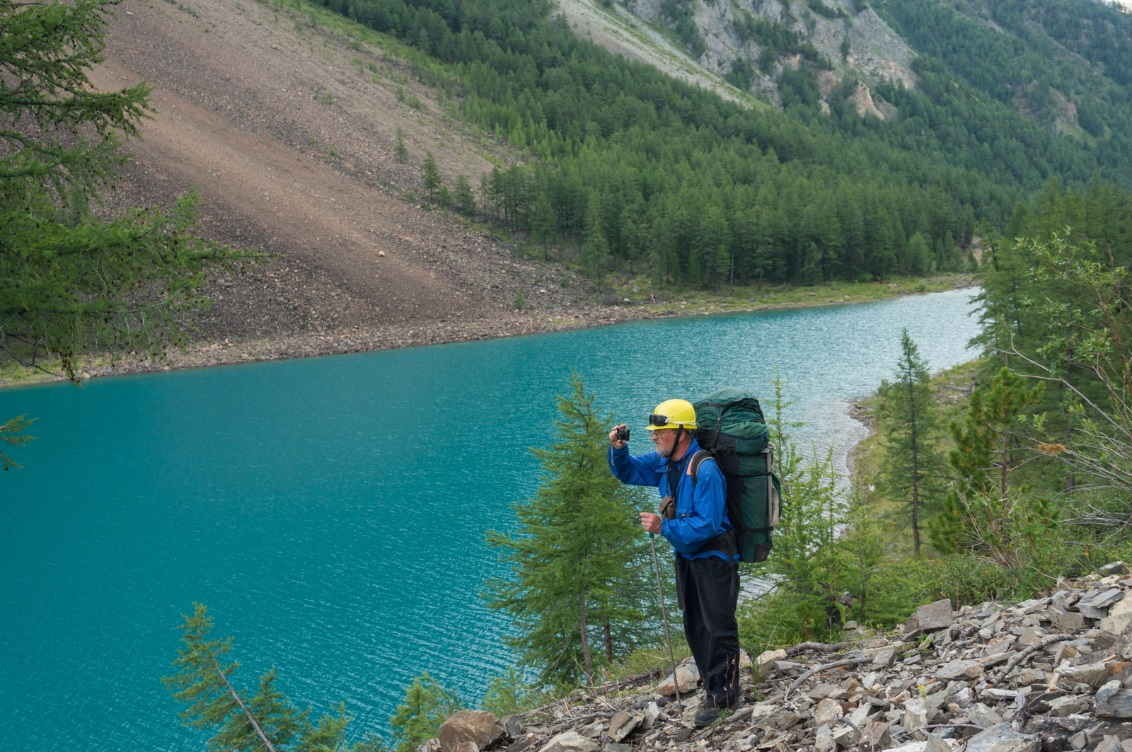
639 291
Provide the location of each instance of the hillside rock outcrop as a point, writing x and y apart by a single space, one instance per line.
1050 674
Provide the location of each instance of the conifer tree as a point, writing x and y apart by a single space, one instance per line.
463 199
430 176
266 721
812 512
983 513
595 247
73 281
12 433
913 471
579 558
427 705
400 151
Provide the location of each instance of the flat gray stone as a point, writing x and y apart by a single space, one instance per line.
931 617
1002 738
1063 707
960 670
570 741
1113 701
884 657
1093 674
915 714
622 724
1096 605
1066 619
983 716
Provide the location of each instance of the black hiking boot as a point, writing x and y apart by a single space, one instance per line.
706 717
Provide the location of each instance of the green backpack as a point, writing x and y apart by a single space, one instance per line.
732 430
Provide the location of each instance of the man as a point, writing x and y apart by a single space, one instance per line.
707 573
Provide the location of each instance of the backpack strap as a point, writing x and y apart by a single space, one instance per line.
725 542
697 460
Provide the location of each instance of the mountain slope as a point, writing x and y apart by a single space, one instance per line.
289 135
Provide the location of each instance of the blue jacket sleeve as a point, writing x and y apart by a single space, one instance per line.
701 510
637 471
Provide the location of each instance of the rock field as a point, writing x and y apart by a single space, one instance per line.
1049 674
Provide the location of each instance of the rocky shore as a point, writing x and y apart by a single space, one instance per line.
366 339
1044 675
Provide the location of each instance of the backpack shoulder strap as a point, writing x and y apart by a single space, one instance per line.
697 460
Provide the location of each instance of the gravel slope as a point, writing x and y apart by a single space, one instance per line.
287 128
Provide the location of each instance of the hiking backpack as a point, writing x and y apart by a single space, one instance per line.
732 430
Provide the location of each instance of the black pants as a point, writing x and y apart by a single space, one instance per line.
709 591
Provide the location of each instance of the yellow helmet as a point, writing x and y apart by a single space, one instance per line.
675 413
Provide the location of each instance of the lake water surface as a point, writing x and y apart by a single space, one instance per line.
331 512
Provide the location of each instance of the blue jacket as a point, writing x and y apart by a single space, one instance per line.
701 509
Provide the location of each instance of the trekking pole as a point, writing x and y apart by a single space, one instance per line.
664 615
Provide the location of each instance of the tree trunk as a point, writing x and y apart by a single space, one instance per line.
914 439
608 643
587 659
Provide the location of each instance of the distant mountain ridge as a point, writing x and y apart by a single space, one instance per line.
850 46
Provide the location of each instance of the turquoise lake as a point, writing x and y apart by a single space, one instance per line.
331 512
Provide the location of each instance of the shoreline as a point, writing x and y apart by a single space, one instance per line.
202 354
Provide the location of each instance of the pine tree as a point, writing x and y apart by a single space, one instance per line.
12 433
427 705
579 558
73 281
400 151
913 471
266 721
595 247
543 223
982 512
430 176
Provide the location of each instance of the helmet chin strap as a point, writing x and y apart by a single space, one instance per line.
679 435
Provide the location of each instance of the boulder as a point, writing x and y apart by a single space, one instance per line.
687 677
476 726
931 617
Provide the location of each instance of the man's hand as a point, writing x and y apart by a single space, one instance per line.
650 522
614 441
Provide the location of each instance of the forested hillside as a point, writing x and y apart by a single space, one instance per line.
638 171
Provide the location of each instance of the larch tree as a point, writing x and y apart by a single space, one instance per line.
73 282
983 512
579 559
430 176
914 470
266 721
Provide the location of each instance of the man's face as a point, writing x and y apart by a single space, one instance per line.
665 441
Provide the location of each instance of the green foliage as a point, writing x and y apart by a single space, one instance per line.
913 473
12 433
73 281
860 552
580 566
266 720
400 151
510 693
427 705
804 565
430 176
463 200
983 513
